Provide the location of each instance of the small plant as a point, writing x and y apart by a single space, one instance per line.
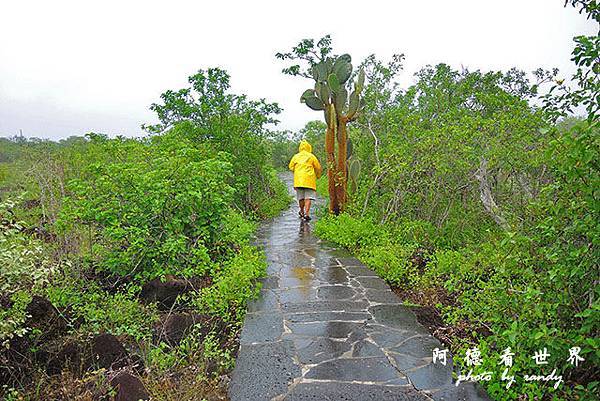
213 351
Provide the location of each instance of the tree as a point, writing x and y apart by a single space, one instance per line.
332 76
214 117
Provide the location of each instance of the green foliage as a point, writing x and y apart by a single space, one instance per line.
25 265
14 316
164 358
314 133
26 270
234 283
331 75
469 189
322 185
353 172
207 113
157 206
351 233
98 311
270 203
283 145
435 149
222 358
381 249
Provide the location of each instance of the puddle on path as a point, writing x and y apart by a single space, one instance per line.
305 275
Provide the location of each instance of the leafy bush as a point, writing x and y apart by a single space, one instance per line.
98 311
375 245
235 282
25 271
112 214
349 232
158 207
532 288
210 114
272 201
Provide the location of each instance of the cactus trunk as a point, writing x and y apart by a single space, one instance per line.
331 167
342 171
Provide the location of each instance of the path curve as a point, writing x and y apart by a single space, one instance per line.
327 328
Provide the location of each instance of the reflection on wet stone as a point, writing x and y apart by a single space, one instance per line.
322 349
267 301
288 282
419 346
327 316
397 316
315 306
262 327
297 294
372 282
335 292
269 282
366 349
360 271
333 329
304 273
381 296
333 275
431 376
363 369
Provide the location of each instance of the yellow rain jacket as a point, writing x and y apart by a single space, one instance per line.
306 167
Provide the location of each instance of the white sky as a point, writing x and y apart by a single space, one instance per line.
71 67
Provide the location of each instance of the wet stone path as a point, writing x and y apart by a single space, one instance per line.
327 328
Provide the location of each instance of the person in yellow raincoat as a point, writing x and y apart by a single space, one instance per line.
307 169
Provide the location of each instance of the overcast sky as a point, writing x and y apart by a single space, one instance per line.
71 67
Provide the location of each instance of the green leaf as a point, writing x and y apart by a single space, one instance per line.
320 71
340 99
307 93
314 103
343 68
344 57
323 91
354 103
360 82
334 83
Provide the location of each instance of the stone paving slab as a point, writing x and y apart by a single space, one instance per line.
326 327
336 391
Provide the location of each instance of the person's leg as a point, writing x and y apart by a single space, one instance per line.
309 196
300 198
307 207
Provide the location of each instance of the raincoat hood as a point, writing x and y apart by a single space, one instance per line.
306 167
305 146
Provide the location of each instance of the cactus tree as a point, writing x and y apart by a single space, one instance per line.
340 101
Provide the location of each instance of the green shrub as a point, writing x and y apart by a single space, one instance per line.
157 208
234 283
26 270
393 262
349 232
272 201
98 311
